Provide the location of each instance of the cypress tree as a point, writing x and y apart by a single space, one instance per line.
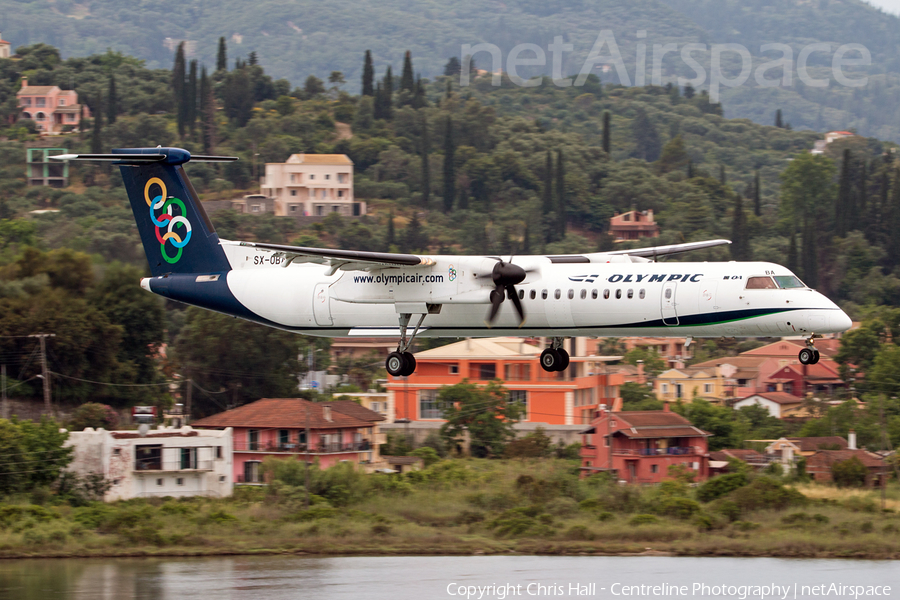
252 59
387 89
844 199
97 133
419 100
112 101
204 109
606 131
792 254
449 93
389 239
757 202
740 242
368 76
378 102
810 252
407 82
413 237
646 138
860 215
548 185
426 169
560 196
222 56
178 76
449 166
779 122
191 100
893 223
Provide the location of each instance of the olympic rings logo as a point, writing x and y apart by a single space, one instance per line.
452 273
167 220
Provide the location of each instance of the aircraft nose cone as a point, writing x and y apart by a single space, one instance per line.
840 321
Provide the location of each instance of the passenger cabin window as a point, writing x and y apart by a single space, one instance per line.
630 294
788 282
583 294
642 294
533 294
618 294
521 294
606 294
571 294
557 294
761 283
544 295
594 294
668 293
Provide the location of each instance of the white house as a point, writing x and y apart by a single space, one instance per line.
164 462
312 185
777 403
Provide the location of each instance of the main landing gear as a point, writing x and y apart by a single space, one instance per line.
402 363
555 358
809 355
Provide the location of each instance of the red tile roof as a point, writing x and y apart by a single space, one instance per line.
127 435
744 455
352 409
287 413
829 457
663 432
811 444
777 397
650 418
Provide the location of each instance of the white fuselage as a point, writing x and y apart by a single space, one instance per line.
619 296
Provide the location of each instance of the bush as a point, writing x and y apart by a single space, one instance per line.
849 473
93 414
643 520
766 493
579 532
680 508
605 516
721 485
860 504
429 455
728 509
746 525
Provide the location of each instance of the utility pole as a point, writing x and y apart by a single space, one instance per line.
4 412
45 373
308 441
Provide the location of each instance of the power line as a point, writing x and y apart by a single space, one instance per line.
113 384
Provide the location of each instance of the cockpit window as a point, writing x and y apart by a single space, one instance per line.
787 282
761 283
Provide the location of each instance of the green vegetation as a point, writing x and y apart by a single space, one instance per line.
460 507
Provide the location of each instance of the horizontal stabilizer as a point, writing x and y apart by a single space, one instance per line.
670 249
143 156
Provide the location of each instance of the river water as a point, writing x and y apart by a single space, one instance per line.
472 577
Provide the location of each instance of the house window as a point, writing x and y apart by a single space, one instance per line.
707 388
284 437
148 458
70 118
518 397
454 369
62 102
253 439
485 370
26 101
188 458
517 372
251 471
218 451
159 481
40 117
605 442
179 481
654 468
40 102
678 390
293 192
665 388
334 208
429 407
117 451
340 193
221 479
254 208
320 210
311 177
327 176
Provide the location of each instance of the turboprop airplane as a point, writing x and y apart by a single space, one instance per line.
344 293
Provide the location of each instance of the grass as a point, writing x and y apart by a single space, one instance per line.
459 507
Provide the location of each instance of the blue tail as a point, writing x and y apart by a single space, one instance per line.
177 234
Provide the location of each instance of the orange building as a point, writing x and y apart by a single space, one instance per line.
567 398
633 225
51 108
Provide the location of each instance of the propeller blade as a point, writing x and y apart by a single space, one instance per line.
496 301
517 303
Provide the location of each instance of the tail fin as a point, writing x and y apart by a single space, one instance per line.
177 234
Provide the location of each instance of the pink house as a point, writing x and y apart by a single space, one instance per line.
337 432
50 107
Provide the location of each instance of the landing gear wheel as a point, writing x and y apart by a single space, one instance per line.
564 360
410 361
550 360
807 357
815 357
395 364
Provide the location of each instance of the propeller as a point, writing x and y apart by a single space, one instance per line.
505 276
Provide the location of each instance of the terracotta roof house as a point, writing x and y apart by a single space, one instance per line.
50 107
807 446
633 225
775 402
338 432
819 465
4 48
312 185
640 446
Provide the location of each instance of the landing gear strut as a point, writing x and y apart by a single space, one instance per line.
809 355
402 363
555 358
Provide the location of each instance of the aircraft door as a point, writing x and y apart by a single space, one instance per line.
322 305
669 314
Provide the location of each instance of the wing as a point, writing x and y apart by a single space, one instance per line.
670 249
346 260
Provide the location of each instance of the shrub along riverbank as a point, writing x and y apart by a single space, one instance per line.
467 506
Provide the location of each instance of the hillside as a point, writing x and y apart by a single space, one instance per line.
296 38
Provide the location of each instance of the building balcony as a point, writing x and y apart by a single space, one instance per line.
292 448
670 451
588 451
156 466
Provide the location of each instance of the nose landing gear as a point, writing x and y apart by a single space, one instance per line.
555 358
809 355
